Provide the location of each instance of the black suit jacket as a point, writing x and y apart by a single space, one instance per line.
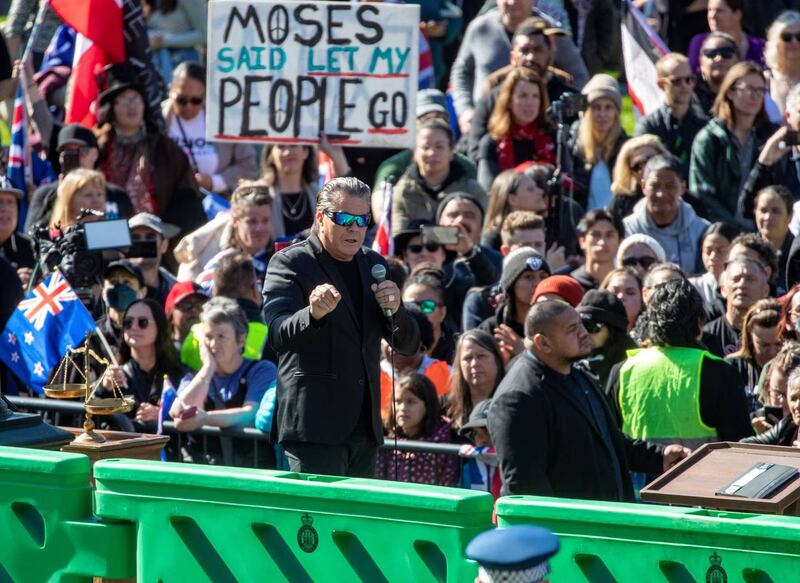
549 445
325 366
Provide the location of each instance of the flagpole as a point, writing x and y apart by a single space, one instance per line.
44 7
106 345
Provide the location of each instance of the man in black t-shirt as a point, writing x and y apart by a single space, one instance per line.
743 283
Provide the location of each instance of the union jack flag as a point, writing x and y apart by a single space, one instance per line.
47 299
48 322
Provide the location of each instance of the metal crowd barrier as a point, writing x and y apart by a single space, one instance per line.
59 409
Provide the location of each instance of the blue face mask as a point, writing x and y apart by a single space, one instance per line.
120 297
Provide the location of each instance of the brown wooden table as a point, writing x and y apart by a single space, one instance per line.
694 481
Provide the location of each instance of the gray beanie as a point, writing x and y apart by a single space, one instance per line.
602 85
518 262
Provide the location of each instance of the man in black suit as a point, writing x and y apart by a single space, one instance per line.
326 318
551 426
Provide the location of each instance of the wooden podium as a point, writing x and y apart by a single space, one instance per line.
694 481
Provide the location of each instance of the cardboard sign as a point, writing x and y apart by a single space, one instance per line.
284 72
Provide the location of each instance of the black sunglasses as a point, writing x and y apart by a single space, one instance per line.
789 36
143 323
645 261
724 52
430 247
591 326
344 219
182 100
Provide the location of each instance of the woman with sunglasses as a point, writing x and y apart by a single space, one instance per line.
714 247
218 166
717 55
146 356
640 252
477 371
430 178
628 170
726 16
727 148
425 289
782 55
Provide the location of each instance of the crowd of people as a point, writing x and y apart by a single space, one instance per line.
575 307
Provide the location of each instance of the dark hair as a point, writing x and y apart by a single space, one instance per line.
166 355
424 390
397 271
191 70
720 35
595 216
754 242
234 276
269 172
661 162
542 314
540 173
460 403
675 314
424 325
737 5
428 275
781 192
727 230
436 123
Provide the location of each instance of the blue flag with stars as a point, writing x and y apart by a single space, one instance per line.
50 319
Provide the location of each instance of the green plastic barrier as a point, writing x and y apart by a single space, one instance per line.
47 532
205 523
604 542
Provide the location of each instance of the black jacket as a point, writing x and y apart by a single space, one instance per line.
549 445
676 135
44 198
784 433
325 366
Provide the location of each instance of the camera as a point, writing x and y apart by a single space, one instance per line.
79 251
566 107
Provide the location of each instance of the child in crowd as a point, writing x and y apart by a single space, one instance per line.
418 418
482 471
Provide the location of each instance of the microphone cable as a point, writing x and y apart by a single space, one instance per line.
391 398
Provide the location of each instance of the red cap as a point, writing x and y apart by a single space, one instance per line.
563 286
180 291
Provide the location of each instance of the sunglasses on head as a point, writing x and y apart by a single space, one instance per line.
787 36
143 323
645 261
724 52
431 247
183 100
344 219
427 306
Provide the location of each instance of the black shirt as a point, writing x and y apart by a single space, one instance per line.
297 212
18 251
721 338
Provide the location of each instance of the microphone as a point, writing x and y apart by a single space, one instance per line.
378 273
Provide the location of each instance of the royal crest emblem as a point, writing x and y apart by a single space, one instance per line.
715 573
307 536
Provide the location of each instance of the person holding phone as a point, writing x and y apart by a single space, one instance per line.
777 162
773 390
228 388
151 238
785 431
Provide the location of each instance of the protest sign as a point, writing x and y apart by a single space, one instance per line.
286 71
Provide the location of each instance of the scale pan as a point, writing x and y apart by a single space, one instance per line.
110 406
65 391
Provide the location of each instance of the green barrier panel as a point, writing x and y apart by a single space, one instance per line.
604 542
47 532
205 523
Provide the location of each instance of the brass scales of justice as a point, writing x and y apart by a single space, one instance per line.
117 403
